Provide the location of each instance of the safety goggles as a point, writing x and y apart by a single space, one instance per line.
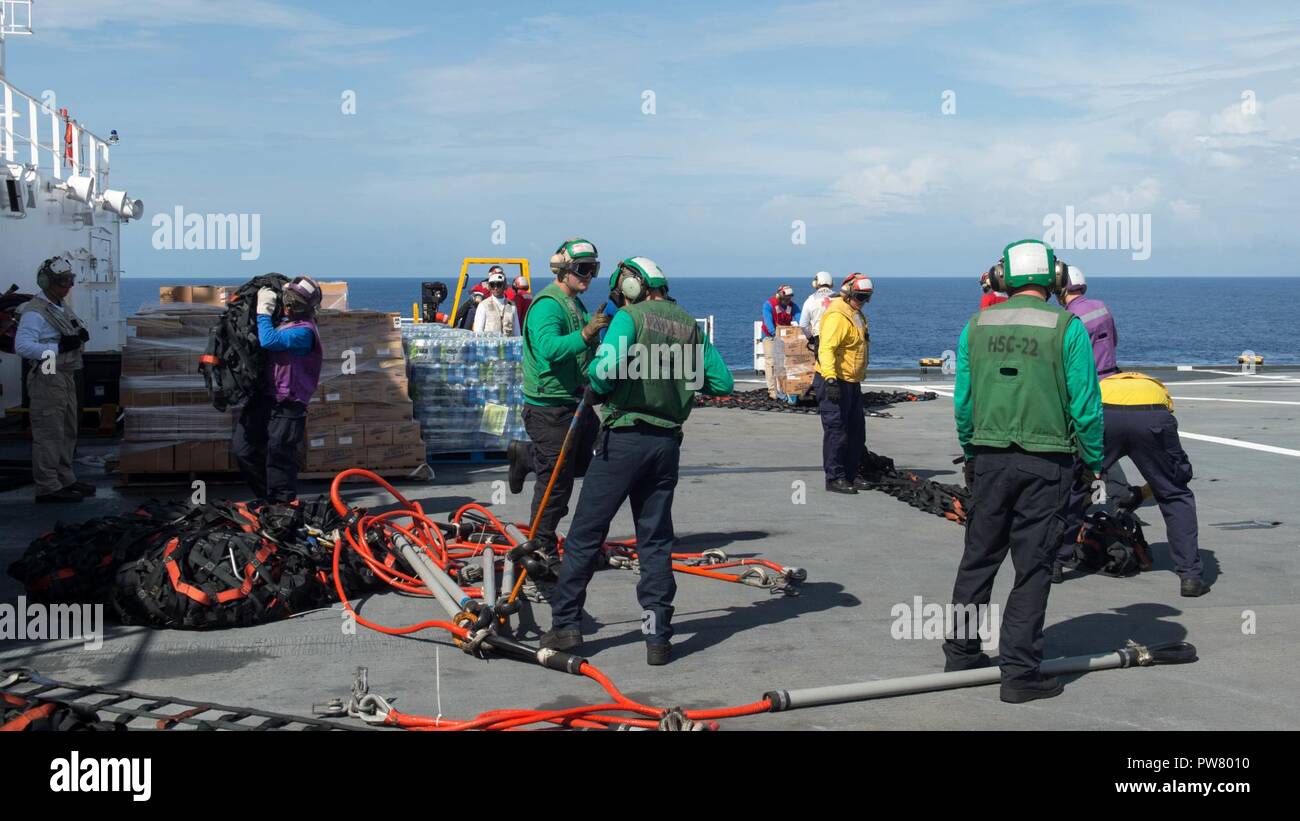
585 268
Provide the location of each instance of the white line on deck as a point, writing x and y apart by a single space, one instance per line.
897 385
1225 383
1241 373
1249 401
1237 443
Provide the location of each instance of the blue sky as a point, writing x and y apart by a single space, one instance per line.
827 113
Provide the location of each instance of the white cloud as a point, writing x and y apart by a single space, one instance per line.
1184 210
1120 200
307 32
882 189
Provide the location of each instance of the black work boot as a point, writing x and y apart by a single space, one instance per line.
1018 691
64 496
1058 572
977 663
840 486
861 484
520 464
1191 588
84 488
658 654
565 638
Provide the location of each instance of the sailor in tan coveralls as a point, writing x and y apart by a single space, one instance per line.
51 338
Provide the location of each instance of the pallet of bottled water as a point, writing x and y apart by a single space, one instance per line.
466 387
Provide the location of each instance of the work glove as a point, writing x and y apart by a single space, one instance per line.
968 472
265 301
69 342
598 322
833 391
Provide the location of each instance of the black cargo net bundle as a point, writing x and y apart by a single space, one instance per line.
949 501
758 400
171 565
232 364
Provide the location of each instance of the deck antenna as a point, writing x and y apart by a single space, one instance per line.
15 18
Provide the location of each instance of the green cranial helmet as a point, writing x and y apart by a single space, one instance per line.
1029 262
576 256
635 276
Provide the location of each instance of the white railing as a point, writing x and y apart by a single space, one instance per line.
706 325
35 135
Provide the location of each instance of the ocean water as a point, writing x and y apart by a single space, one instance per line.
1162 321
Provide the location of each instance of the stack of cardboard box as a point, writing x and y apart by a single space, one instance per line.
793 360
359 417
361 413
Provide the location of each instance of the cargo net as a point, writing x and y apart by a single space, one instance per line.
806 403
949 501
173 565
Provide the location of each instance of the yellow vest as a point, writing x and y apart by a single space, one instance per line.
843 347
1133 388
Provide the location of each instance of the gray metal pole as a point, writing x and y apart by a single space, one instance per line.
489 576
930 682
428 573
507 576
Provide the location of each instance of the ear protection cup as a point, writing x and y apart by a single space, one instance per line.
630 285
995 277
1061 279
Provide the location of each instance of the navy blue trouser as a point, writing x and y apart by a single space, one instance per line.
1018 504
547 427
844 429
640 464
1149 436
266 444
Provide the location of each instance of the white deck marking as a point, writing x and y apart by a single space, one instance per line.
1241 373
1237 443
920 388
1221 399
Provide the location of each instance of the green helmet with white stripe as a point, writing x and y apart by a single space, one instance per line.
634 277
1029 262
576 256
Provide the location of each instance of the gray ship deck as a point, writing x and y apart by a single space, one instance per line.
863 556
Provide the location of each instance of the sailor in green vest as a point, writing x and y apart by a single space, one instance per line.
1026 401
647 371
559 340
51 338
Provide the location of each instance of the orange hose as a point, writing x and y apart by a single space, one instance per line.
422 532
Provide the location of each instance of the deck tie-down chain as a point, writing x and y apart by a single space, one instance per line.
363 704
